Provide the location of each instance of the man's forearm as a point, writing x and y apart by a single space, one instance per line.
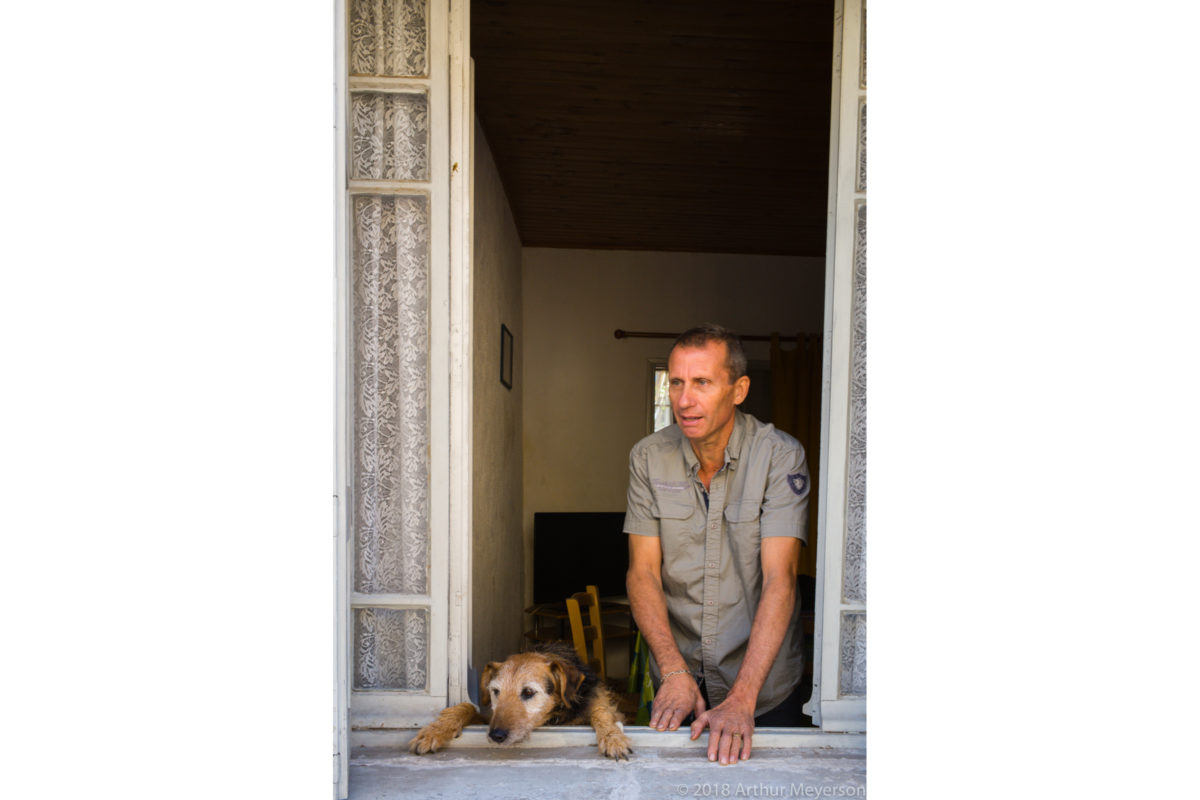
649 608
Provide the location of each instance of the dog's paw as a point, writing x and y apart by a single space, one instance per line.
426 741
615 745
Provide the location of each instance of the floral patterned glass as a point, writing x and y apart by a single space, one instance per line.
390 648
391 393
389 136
388 38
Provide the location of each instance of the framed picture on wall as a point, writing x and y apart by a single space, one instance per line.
506 356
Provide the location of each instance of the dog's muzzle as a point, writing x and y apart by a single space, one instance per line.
497 735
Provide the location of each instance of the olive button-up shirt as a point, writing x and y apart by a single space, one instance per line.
712 568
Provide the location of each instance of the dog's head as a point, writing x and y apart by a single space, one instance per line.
528 690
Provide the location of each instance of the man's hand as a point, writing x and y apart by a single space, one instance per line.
676 697
730 729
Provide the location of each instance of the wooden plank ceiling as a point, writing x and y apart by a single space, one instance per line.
687 125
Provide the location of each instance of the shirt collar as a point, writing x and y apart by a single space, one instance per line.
732 448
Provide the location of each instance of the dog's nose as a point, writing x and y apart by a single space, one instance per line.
497 735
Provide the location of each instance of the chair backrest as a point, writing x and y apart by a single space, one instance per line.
587 629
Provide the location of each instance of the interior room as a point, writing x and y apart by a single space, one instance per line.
638 167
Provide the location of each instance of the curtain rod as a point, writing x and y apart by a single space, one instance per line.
620 334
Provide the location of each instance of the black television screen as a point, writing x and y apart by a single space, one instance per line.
573 549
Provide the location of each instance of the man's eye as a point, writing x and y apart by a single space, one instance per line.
526 693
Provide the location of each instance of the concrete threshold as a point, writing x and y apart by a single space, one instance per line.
563 762
582 735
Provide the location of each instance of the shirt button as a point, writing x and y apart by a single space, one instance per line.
713 526
710 602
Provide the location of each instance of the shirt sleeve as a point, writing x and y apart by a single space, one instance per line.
785 502
640 517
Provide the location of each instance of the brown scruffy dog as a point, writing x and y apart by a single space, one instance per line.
546 686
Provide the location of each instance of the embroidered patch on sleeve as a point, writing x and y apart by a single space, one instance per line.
798 482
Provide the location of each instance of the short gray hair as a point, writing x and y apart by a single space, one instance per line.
701 335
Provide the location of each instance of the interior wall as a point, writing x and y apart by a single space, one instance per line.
586 403
498 565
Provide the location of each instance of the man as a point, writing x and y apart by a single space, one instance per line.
716 514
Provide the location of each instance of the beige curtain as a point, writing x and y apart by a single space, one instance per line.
796 409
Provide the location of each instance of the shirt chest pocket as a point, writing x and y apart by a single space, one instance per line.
742 521
742 513
679 521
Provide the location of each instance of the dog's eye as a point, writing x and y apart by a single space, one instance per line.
527 693
495 692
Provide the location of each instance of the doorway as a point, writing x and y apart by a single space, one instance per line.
652 167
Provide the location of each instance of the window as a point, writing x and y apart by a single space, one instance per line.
658 405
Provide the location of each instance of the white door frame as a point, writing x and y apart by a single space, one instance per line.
342 423
831 707
461 328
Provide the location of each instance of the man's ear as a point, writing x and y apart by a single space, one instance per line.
741 388
566 680
489 672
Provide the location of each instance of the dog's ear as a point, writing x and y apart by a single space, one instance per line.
566 680
489 672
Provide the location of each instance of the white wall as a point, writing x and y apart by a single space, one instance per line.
498 562
585 391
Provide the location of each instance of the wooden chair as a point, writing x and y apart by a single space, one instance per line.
589 632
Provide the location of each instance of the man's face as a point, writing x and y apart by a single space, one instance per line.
702 397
